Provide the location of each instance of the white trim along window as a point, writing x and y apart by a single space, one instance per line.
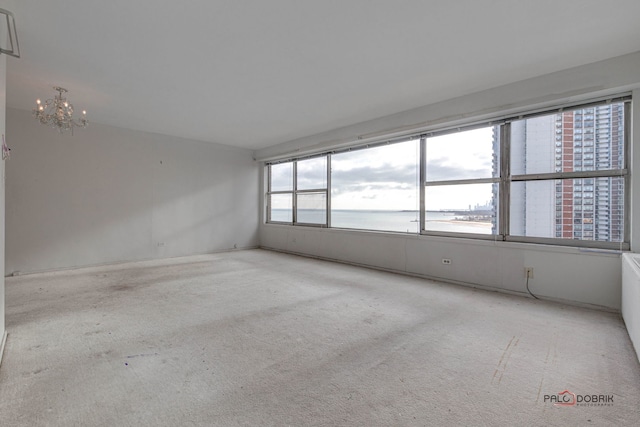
558 176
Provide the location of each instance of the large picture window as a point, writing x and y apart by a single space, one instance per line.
376 188
461 180
554 177
568 175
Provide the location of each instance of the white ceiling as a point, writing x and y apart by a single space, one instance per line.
255 73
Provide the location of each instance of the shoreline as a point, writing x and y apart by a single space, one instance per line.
461 221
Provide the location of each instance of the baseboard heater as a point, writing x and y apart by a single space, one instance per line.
631 297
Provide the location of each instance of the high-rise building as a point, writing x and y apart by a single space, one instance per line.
588 139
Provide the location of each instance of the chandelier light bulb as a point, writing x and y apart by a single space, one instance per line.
38 101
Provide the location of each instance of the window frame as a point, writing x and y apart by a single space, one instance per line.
504 180
583 174
294 192
424 183
409 139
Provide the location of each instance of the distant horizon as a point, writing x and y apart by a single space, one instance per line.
388 210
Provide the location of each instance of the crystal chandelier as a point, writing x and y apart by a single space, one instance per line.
58 113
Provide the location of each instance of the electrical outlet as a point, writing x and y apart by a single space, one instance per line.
528 272
446 261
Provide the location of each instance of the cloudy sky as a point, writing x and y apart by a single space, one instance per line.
387 177
384 178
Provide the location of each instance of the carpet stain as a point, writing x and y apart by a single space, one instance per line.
546 362
540 389
121 287
142 355
33 373
504 359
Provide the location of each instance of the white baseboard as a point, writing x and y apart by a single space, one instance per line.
4 340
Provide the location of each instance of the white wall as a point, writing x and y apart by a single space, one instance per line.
3 98
7 5
563 274
108 194
569 274
575 84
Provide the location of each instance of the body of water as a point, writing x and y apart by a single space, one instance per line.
400 221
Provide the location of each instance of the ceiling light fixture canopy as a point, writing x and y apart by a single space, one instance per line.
58 113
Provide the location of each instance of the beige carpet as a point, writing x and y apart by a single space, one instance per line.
255 337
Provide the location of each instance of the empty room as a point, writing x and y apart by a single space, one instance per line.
319 213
